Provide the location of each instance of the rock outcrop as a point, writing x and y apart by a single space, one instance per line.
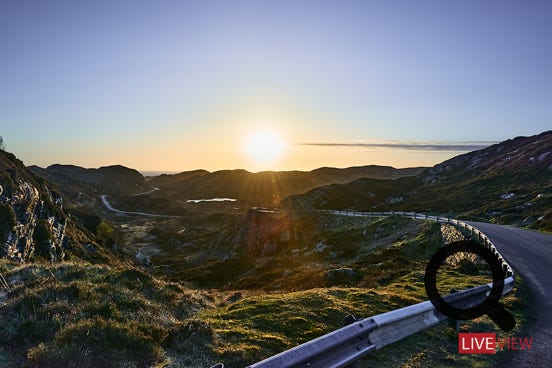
31 225
32 220
264 232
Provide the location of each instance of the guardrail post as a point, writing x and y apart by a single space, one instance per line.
454 323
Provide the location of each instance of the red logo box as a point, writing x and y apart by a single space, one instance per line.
477 343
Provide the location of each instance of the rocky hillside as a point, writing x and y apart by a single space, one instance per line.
515 157
32 221
68 301
509 182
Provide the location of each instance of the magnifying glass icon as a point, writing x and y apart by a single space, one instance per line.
490 306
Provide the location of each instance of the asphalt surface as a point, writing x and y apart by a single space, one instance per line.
530 254
110 207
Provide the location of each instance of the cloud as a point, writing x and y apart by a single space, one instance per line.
425 146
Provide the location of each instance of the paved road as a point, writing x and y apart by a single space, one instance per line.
110 207
144 193
530 254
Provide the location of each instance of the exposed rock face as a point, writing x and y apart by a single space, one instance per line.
31 219
264 232
29 225
452 234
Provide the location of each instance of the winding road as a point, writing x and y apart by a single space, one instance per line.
530 254
110 207
146 193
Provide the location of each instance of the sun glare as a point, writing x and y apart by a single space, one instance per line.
264 147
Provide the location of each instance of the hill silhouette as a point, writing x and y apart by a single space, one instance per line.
265 189
509 182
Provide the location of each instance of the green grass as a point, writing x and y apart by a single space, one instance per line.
77 314
438 346
259 326
263 325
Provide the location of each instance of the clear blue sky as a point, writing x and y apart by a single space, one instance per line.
177 84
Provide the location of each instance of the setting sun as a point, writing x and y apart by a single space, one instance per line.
264 147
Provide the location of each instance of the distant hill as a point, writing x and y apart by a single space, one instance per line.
266 188
509 182
73 180
167 180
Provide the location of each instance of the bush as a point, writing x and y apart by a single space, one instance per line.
104 232
467 267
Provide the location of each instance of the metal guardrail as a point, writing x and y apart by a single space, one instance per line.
347 344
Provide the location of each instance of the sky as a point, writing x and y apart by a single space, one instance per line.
179 85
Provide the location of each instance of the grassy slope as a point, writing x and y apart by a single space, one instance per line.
260 326
76 314
79 315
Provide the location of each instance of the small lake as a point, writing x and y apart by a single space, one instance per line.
211 200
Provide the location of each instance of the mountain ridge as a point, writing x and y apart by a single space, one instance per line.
508 182
264 188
